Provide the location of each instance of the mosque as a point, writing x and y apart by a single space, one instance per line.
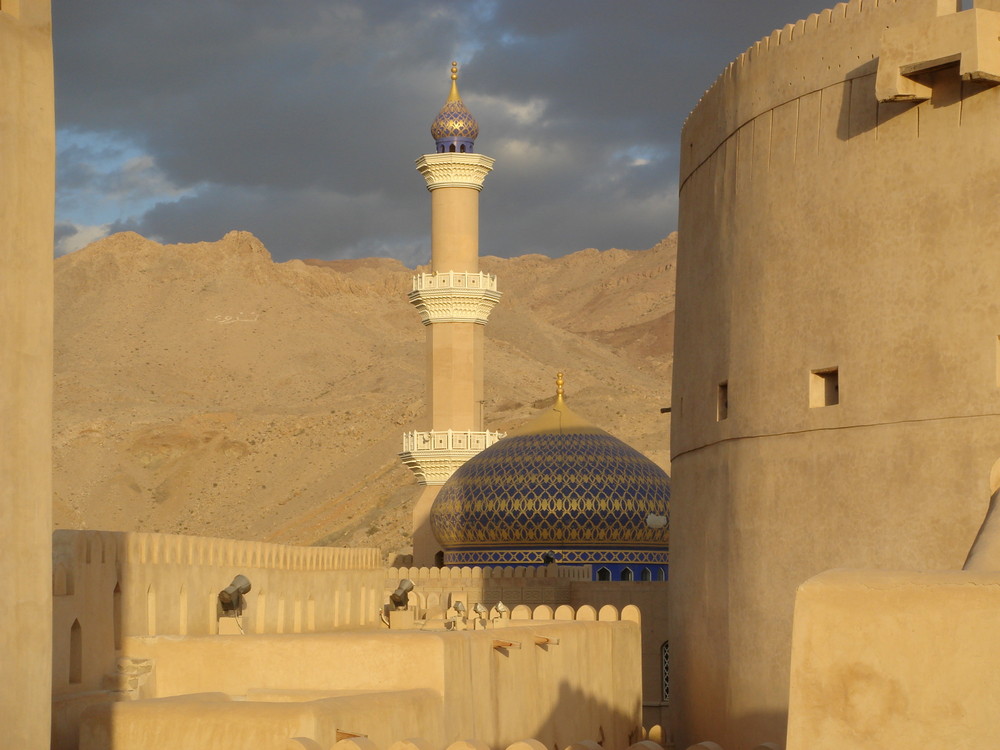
835 451
559 490
172 641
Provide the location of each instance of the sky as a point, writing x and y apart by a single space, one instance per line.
300 120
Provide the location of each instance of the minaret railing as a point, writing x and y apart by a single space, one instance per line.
450 440
454 280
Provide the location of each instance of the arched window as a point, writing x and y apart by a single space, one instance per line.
603 574
75 654
452 147
661 575
463 148
646 575
665 665
439 555
627 574
116 615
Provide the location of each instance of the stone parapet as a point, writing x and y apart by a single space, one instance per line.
454 297
435 455
454 170
454 280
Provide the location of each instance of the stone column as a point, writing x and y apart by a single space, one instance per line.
27 198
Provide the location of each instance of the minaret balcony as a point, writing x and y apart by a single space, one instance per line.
435 455
454 170
454 297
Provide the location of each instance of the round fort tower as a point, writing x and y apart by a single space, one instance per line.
836 392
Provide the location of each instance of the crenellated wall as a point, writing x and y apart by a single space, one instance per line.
836 397
568 592
433 587
825 49
109 587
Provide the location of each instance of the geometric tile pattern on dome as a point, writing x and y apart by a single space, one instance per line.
553 489
454 121
563 557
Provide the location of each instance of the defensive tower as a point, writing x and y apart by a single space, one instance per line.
454 301
836 392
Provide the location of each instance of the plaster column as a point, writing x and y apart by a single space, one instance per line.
27 195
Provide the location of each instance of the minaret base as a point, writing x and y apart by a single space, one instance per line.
425 546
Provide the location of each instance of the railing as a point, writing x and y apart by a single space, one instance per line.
448 440
454 280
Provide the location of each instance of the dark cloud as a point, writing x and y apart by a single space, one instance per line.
300 121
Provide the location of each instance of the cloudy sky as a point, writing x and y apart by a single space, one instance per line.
299 120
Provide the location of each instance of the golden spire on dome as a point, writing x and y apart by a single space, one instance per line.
558 418
454 129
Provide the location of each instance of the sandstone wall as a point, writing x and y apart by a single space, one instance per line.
27 194
915 667
109 587
559 681
834 249
559 592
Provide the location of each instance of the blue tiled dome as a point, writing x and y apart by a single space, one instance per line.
559 488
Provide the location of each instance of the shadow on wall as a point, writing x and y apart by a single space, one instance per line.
757 729
574 718
861 112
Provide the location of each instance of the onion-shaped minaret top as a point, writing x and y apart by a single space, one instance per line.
454 129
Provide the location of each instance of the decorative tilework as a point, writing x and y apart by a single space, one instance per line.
454 121
565 557
580 493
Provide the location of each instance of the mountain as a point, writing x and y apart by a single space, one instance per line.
205 389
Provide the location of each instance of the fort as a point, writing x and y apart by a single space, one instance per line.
835 395
835 450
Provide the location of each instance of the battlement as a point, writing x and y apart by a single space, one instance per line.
110 586
420 575
416 743
107 547
787 65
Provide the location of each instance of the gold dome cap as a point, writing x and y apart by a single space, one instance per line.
558 418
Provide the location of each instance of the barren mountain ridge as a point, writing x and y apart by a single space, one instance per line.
205 389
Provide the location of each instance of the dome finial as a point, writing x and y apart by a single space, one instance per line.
559 385
454 129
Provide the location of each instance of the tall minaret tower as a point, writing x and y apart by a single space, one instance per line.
454 301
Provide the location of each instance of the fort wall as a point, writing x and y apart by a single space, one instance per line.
27 204
917 666
529 678
556 589
110 587
836 397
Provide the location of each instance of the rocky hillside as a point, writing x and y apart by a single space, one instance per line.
205 389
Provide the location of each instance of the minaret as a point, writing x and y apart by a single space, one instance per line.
454 301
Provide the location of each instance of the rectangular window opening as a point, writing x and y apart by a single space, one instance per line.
722 406
824 387
998 361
